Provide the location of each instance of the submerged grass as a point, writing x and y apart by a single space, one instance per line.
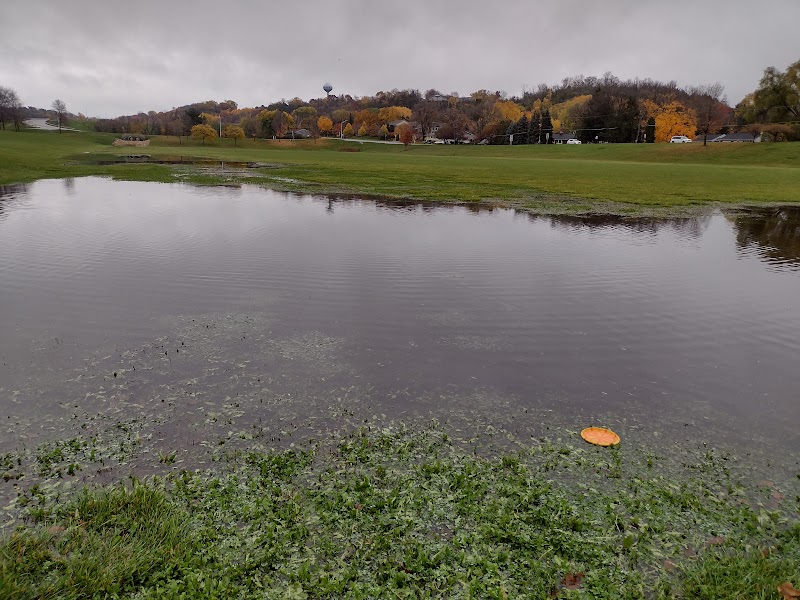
399 513
624 178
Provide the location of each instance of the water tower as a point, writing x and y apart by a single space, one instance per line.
327 87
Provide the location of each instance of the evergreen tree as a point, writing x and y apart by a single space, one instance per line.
521 133
650 130
627 122
546 129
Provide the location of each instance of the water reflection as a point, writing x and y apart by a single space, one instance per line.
772 234
693 227
69 185
9 194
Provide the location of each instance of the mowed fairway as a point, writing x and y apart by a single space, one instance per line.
621 178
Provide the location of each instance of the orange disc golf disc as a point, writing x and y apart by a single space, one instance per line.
600 436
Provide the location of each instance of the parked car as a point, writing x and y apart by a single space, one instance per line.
679 139
573 141
483 143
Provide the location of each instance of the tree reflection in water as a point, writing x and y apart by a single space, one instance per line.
771 234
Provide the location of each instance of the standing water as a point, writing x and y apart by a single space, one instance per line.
168 299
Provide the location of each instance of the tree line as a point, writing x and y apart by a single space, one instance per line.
593 109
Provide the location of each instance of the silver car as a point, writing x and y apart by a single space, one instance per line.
679 139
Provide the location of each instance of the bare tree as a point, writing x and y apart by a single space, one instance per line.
708 105
9 107
61 110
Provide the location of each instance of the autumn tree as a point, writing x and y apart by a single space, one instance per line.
675 119
203 132
348 130
339 115
234 132
304 117
60 109
454 125
383 133
406 134
362 131
325 125
177 128
567 115
393 113
508 110
708 106
425 114
773 132
776 99
250 125
265 119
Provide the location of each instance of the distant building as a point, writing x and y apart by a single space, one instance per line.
562 138
392 125
730 138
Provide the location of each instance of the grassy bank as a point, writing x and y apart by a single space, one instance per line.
625 179
411 514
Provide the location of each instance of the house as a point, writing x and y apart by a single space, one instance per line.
711 137
738 137
730 137
561 138
299 134
393 125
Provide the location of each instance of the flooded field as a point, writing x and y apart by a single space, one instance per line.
198 319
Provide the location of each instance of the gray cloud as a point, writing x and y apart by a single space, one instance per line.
114 57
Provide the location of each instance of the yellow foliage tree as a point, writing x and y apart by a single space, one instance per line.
324 124
348 130
508 110
203 132
234 132
362 131
567 114
393 113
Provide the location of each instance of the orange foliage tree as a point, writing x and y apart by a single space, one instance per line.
671 119
406 134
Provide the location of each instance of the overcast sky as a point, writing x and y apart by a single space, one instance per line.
110 57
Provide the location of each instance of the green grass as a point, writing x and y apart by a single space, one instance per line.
621 178
396 513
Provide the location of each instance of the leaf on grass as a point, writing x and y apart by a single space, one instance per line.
600 436
715 541
788 591
572 581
